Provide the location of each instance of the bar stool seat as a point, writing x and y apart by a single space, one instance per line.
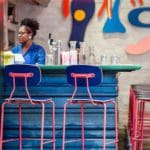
88 76
26 100
22 75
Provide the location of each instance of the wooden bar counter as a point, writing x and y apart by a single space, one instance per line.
54 85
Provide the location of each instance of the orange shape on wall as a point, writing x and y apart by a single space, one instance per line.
140 47
79 15
65 8
108 5
133 2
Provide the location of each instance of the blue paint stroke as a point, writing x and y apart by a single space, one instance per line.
133 17
114 24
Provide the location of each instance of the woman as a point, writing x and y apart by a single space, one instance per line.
31 52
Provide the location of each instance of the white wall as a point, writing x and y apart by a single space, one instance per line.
52 21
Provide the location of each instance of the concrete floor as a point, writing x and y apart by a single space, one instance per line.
123 141
123 145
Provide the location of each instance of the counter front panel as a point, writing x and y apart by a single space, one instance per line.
54 85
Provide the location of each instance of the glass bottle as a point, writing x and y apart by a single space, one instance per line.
73 53
91 57
82 56
59 49
54 51
50 40
49 55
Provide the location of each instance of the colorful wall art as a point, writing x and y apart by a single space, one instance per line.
81 12
107 4
140 47
143 45
114 24
134 14
133 2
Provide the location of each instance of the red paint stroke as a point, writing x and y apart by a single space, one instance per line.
140 47
133 2
65 8
141 2
101 10
107 4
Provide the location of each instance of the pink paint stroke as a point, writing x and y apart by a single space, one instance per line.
140 47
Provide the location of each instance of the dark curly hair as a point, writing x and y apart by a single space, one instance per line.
30 23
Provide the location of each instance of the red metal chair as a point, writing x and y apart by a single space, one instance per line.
139 116
131 111
87 76
25 76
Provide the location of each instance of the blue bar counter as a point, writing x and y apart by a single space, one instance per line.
54 85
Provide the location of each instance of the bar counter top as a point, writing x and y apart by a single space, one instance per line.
118 67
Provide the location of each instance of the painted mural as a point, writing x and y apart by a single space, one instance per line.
114 24
83 10
141 47
134 14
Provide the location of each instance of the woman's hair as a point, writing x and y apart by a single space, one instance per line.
31 24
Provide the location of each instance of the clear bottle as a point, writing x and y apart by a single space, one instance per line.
73 53
82 56
49 55
91 57
54 51
59 49
50 40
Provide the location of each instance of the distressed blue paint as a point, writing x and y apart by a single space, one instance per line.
54 85
133 17
114 24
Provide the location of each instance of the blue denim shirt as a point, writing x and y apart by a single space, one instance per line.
34 55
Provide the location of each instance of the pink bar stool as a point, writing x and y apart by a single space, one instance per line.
86 76
25 75
139 117
131 111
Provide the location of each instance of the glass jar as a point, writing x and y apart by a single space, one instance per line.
82 56
91 57
73 53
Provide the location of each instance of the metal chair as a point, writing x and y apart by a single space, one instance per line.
139 116
25 75
87 76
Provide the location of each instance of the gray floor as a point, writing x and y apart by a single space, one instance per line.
123 145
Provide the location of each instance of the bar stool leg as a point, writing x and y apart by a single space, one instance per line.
116 125
42 125
53 124
134 109
130 115
104 128
20 127
82 124
141 124
64 127
135 126
2 126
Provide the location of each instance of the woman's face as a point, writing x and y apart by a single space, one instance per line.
24 35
